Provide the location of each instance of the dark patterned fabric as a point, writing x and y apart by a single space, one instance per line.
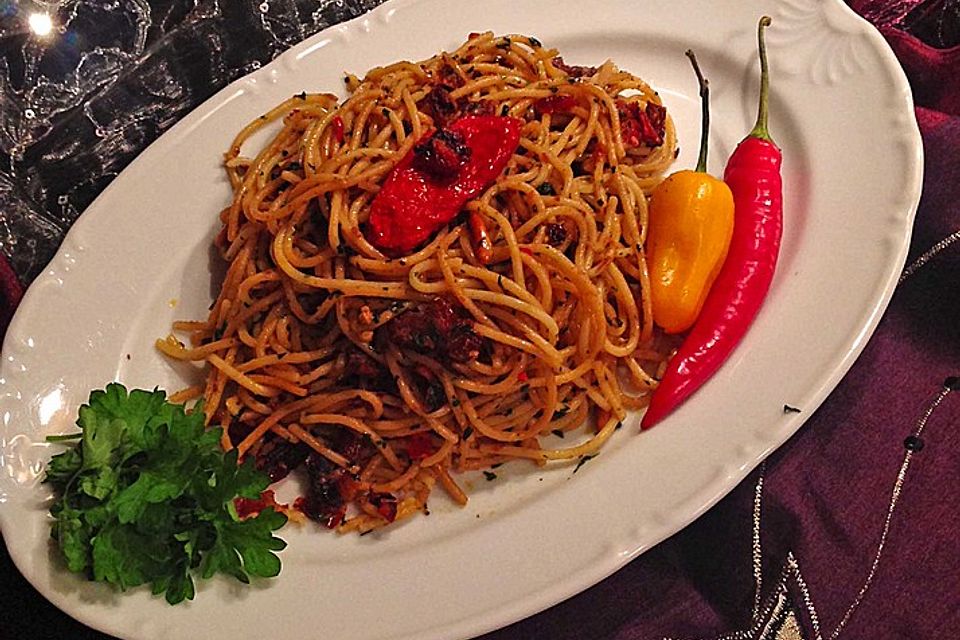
848 531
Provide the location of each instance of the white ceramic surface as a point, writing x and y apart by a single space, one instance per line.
139 257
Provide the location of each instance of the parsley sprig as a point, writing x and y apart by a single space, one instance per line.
146 497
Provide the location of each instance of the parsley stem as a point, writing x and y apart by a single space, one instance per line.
65 437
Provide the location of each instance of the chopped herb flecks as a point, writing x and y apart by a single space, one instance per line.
583 460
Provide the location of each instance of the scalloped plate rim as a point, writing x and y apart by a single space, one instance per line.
706 498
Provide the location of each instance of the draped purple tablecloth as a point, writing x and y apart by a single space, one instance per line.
850 530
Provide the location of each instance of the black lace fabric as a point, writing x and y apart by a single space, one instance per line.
936 22
86 85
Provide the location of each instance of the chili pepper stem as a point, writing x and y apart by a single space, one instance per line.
705 111
760 129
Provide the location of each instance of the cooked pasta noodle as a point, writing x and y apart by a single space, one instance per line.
305 346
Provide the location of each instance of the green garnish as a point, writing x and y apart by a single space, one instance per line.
146 496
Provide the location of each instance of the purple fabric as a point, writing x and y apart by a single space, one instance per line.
826 494
11 291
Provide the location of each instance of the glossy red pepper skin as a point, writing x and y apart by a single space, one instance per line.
753 175
412 205
336 128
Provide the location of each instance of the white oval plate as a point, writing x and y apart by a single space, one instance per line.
139 257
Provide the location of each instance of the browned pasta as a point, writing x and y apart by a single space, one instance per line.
386 375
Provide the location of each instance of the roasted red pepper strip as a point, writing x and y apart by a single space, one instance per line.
413 205
753 174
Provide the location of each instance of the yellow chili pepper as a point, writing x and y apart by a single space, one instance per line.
690 226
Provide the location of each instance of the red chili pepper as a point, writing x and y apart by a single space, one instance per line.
414 203
753 175
522 376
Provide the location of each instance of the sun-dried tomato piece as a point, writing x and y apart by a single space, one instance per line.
247 507
448 75
414 330
657 116
439 105
443 316
641 127
464 344
441 155
278 457
556 233
436 329
355 447
385 504
574 71
324 501
363 371
420 446
361 365
560 103
597 150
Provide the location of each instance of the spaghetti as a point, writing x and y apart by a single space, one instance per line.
525 318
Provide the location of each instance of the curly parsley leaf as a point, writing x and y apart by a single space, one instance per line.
64 466
246 547
146 497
